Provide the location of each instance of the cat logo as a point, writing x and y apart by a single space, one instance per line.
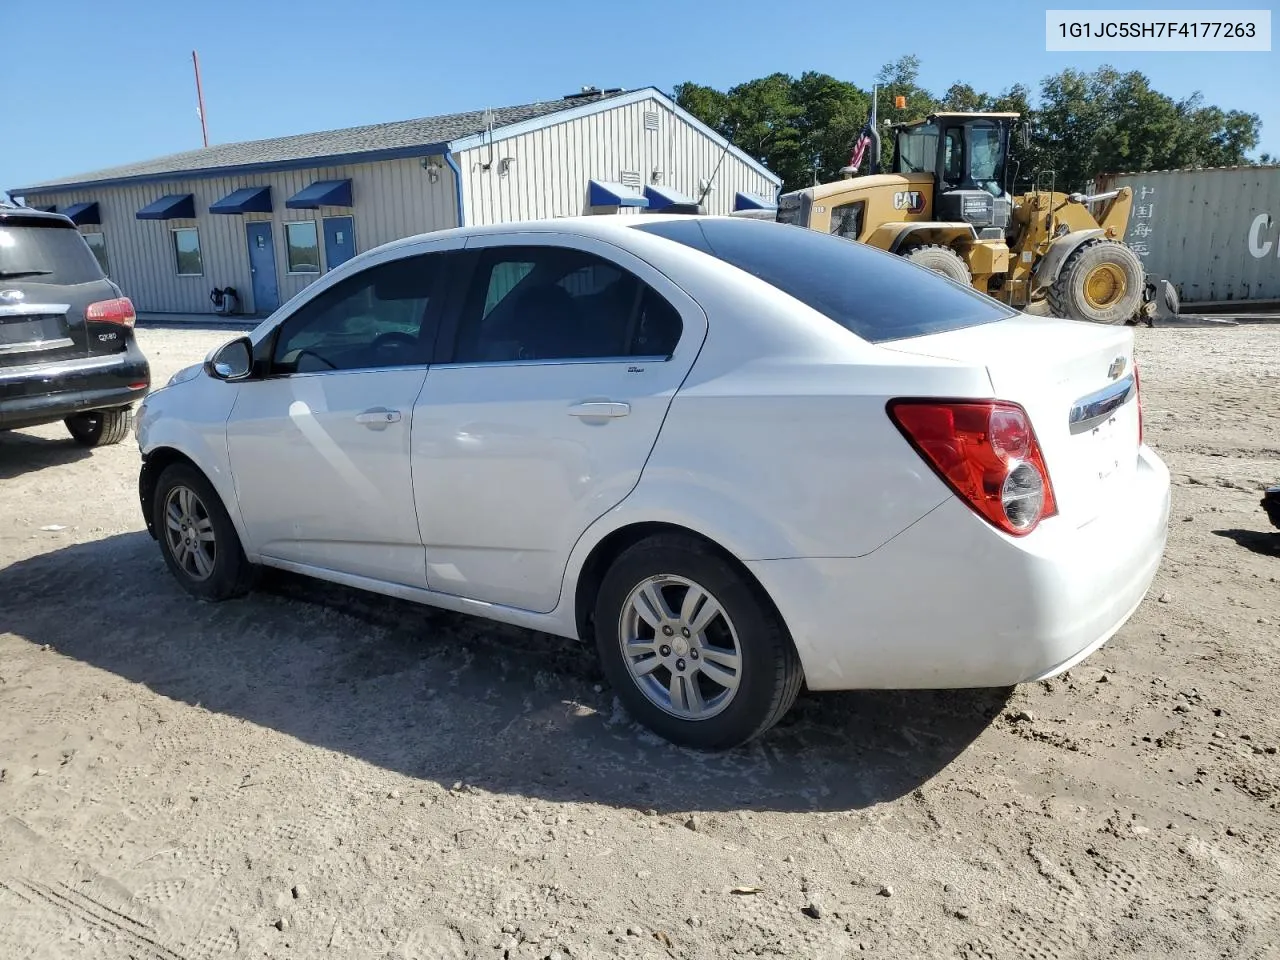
911 201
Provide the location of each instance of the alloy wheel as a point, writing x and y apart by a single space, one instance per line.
680 647
189 533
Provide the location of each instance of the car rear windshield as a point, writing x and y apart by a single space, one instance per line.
45 252
876 295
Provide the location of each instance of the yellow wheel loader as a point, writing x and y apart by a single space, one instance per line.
946 205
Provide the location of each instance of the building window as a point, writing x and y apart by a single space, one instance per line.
186 250
98 244
303 246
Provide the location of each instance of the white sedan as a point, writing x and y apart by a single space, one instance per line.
737 456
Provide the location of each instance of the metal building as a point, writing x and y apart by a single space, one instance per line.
1214 232
269 216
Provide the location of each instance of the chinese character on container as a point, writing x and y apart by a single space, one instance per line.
1145 210
1140 248
1147 191
1142 230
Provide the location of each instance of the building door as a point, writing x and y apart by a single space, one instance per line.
262 265
339 241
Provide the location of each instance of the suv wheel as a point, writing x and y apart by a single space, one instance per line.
198 540
692 647
99 428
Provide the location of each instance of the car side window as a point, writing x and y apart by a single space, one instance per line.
554 303
375 318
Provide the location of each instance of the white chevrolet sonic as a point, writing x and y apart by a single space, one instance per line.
738 456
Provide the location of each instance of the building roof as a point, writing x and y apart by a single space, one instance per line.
377 141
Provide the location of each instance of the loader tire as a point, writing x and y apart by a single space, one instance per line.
941 260
1101 282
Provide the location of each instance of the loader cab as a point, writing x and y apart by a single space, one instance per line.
967 154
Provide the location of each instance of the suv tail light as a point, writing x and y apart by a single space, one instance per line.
119 310
986 451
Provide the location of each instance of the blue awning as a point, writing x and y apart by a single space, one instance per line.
244 200
660 197
749 201
176 206
604 193
82 213
322 193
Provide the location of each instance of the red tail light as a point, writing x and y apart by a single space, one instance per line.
986 451
119 310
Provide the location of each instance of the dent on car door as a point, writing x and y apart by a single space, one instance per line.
558 367
319 445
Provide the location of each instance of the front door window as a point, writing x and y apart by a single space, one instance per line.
373 319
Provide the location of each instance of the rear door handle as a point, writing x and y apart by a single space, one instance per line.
600 408
378 417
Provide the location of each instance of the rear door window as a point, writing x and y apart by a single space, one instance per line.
548 303
876 295
42 253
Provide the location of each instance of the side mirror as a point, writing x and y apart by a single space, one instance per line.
231 361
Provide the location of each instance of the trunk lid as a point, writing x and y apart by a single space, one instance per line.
1076 382
48 276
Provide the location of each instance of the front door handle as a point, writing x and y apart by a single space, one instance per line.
378 417
600 408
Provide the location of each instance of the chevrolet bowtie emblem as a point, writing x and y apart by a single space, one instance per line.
1117 368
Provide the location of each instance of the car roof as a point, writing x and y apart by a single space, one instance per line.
601 226
9 212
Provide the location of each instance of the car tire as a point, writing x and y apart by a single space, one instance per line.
100 428
743 649
197 538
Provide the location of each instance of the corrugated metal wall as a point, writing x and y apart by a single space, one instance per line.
393 199
550 168
1214 233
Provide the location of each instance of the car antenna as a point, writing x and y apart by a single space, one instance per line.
706 189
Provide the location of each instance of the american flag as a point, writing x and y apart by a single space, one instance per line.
860 149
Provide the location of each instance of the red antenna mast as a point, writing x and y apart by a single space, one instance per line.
204 127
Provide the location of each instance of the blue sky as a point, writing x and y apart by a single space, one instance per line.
108 83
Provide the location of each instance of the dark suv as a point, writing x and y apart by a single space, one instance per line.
67 349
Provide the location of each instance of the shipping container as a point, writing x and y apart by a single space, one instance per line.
1214 233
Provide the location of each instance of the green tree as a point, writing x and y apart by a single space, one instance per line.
961 96
833 113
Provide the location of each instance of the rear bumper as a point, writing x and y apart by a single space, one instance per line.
49 392
950 602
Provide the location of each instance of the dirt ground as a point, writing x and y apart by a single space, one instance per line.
309 772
